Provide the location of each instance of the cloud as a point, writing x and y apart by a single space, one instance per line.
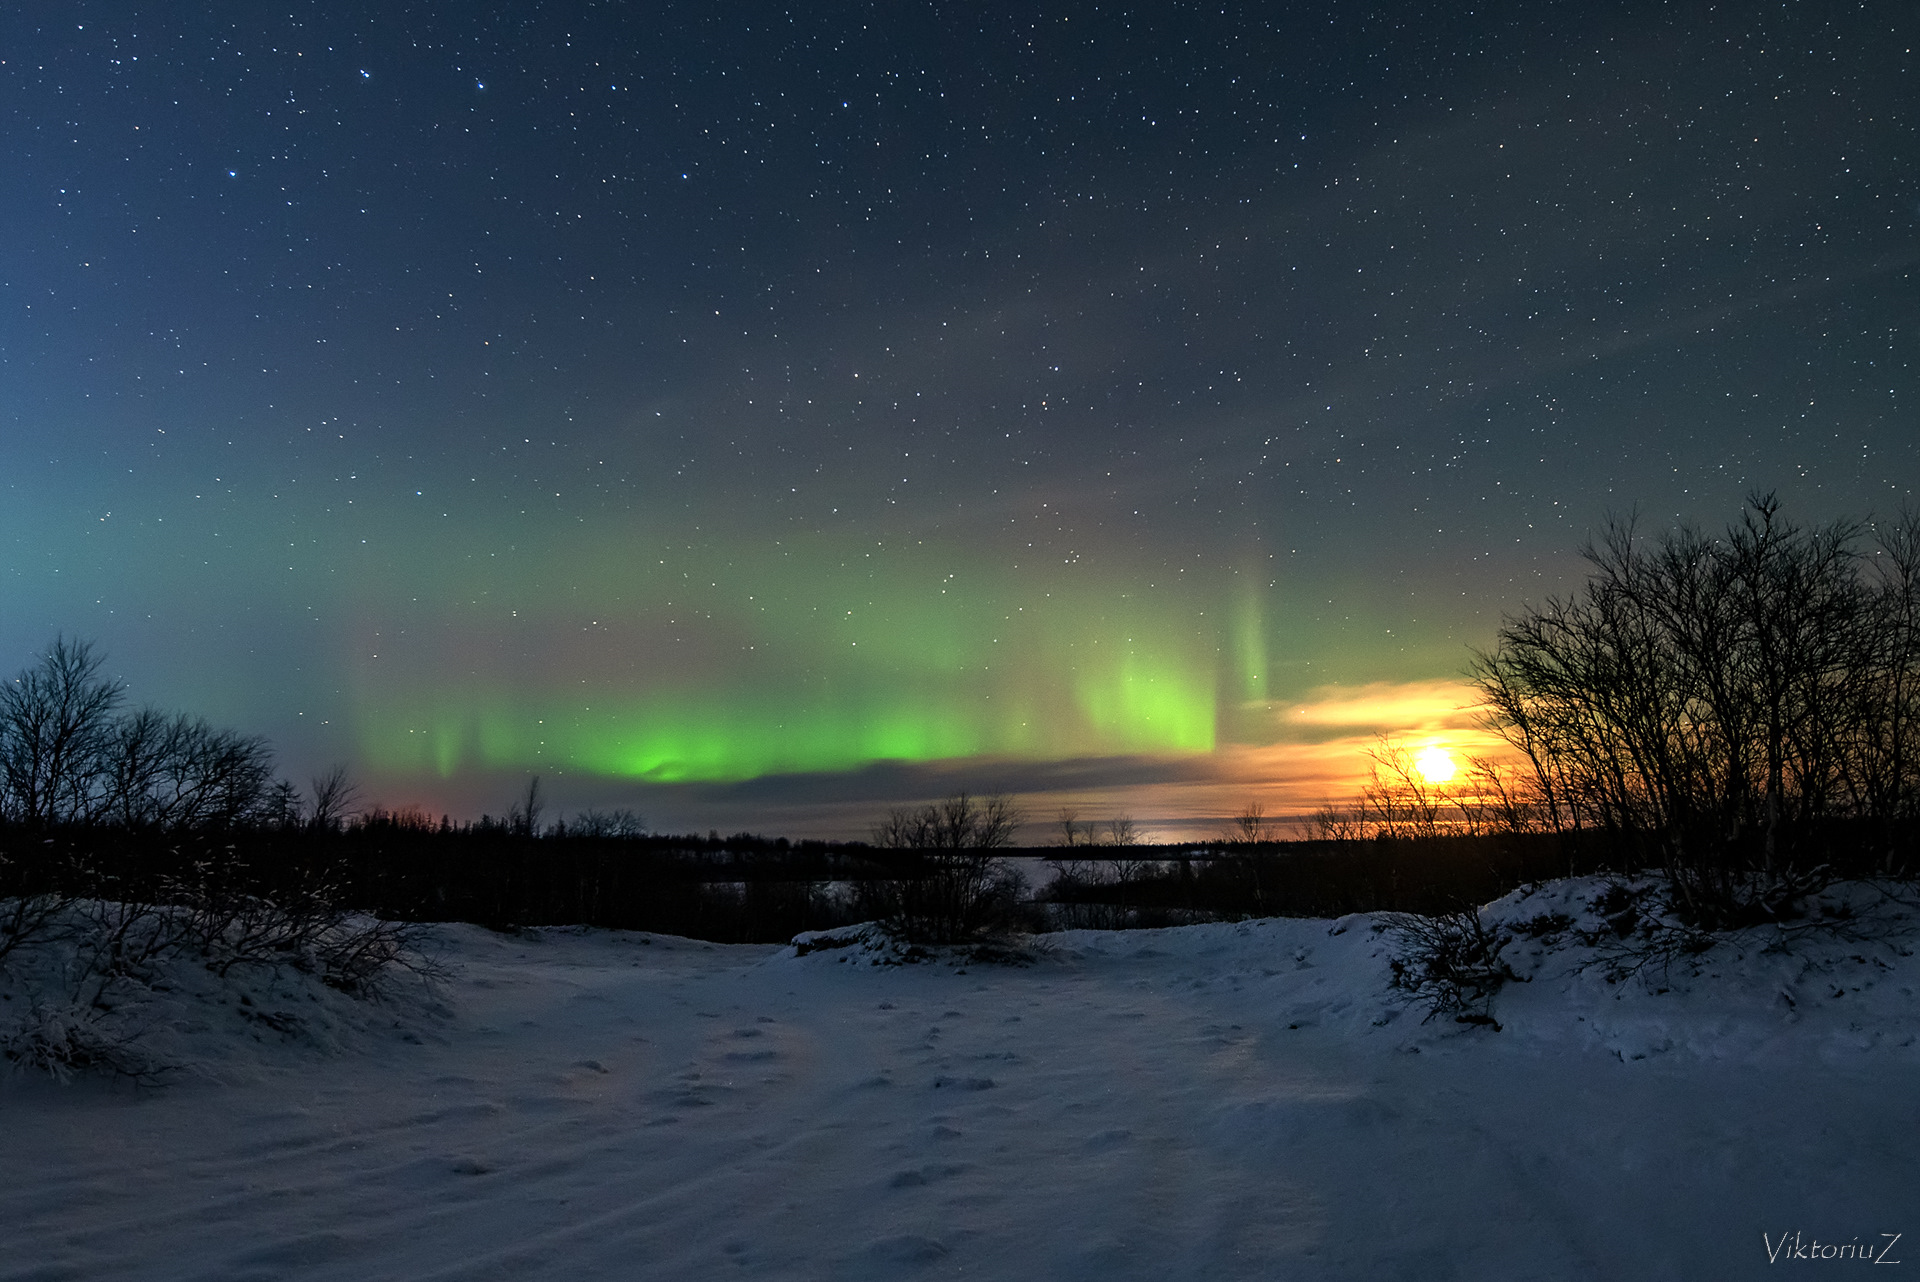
1400 708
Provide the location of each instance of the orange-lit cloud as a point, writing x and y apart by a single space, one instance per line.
1318 754
1402 709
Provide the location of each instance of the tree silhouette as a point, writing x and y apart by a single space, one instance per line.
955 887
56 728
1735 710
334 796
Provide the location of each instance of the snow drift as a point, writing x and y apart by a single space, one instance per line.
1250 1100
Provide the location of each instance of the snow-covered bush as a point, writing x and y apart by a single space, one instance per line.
302 926
27 918
73 993
1449 963
64 1037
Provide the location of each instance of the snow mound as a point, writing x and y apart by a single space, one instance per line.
869 943
70 1004
1605 963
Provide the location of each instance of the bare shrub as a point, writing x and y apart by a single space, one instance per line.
1449 963
93 960
220 916
954 888
1331 821
1500 799
63 1039
91 963
1249 827
1072 877
117 939
363 956
30 910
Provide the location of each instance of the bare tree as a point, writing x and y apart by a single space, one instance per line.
334 796
203 777
956 888
1718 706
139 750
56 719
285 808
961 822
1499 798
1332 822
524 816
1882 779
1399 800
607 823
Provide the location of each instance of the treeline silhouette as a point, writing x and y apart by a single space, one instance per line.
1144 886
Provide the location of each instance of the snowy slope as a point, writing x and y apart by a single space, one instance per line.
1226 1101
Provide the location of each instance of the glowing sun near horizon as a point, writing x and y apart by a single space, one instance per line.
1435 764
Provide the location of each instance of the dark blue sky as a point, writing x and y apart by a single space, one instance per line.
464 391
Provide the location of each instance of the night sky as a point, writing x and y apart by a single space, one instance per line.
759 416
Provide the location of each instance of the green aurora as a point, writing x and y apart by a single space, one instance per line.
436 648
739 686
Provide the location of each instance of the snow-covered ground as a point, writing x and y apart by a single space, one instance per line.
1217 1102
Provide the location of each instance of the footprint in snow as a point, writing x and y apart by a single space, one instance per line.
907 1248
923 1176
751 1057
